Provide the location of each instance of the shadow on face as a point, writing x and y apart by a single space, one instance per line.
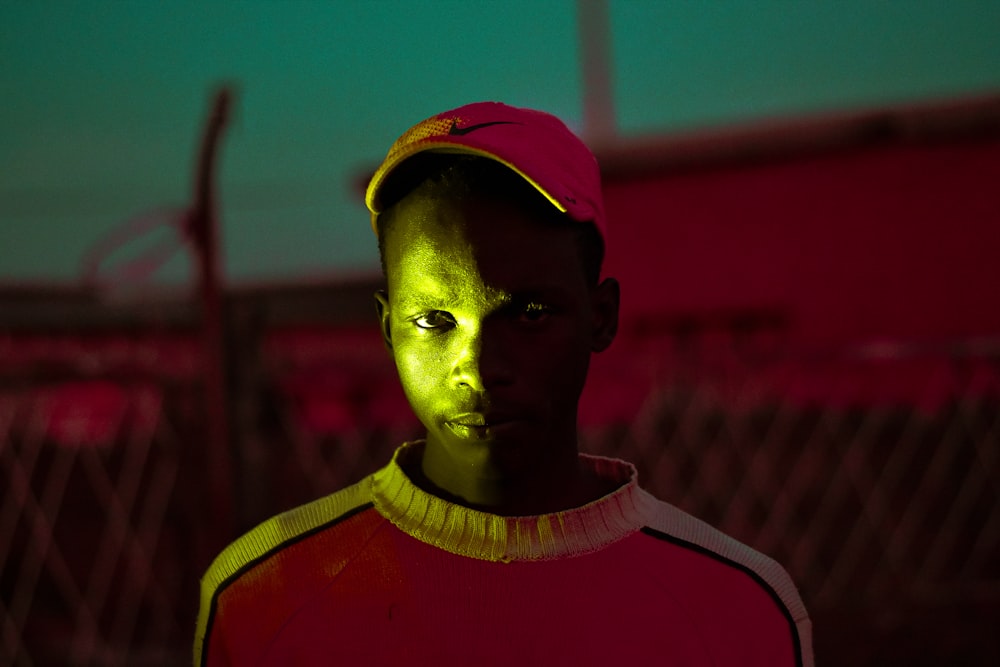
491 322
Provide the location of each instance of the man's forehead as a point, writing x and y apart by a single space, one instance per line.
477 219
444 285
476 240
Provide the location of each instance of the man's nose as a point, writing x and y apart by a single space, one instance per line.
482 362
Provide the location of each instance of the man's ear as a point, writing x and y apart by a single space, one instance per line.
382 307
605 300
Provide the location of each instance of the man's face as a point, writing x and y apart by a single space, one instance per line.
491 324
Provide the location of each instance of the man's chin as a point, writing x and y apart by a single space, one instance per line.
500 451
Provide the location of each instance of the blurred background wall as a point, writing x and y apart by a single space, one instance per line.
804 219
103 100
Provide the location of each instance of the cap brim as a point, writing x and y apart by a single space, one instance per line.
386 169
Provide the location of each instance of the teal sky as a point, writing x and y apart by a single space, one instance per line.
101 103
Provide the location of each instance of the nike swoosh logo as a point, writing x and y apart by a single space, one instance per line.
454 129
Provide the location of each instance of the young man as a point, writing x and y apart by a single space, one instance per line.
493 541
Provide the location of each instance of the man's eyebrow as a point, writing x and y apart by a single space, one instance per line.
409 299
427 292
541 292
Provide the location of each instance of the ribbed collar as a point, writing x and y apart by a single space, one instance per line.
477 534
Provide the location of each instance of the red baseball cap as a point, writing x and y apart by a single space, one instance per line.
536 145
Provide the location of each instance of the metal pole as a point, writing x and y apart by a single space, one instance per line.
204 230
599 124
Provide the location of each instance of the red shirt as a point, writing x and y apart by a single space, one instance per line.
382 572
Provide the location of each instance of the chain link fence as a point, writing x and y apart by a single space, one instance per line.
871 473
98 526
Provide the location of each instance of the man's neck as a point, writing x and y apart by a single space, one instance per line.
559 485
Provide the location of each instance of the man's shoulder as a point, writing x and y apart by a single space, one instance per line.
281 534
274 567
672 525
729 569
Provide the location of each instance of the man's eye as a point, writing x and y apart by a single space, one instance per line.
435 319
534 312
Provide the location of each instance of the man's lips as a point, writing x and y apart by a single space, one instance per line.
481 419
480 426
